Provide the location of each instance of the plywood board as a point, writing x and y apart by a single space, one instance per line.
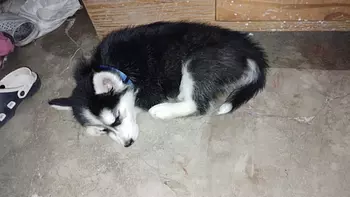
109 15
282 10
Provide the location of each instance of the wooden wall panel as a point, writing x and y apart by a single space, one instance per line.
109 15
282 10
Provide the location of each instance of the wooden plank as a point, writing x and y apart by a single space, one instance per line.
109 15
282 10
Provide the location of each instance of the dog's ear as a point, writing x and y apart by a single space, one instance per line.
61 103
106 81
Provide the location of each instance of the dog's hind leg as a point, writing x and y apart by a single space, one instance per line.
186 106
251 82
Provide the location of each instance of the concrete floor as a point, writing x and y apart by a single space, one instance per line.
292 140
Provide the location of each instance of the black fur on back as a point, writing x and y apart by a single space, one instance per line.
152 57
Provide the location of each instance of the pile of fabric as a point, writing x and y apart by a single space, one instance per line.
23 21
6 47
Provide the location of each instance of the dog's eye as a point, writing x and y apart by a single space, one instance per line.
116 122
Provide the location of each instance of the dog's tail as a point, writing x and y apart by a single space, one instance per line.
252 81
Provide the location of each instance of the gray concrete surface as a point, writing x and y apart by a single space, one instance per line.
292 140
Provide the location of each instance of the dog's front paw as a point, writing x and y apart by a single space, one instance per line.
163 111
95 131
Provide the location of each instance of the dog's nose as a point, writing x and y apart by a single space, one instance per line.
129 143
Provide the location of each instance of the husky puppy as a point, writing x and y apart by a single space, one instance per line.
145 66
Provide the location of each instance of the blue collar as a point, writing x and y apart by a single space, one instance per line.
122 75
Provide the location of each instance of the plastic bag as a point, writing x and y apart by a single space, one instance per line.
48 14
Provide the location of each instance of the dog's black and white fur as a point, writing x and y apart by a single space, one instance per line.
189 62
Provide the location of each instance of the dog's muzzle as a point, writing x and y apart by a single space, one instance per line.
129 143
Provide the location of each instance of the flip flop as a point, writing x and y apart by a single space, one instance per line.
14 88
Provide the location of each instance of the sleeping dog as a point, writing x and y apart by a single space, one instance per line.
171 69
